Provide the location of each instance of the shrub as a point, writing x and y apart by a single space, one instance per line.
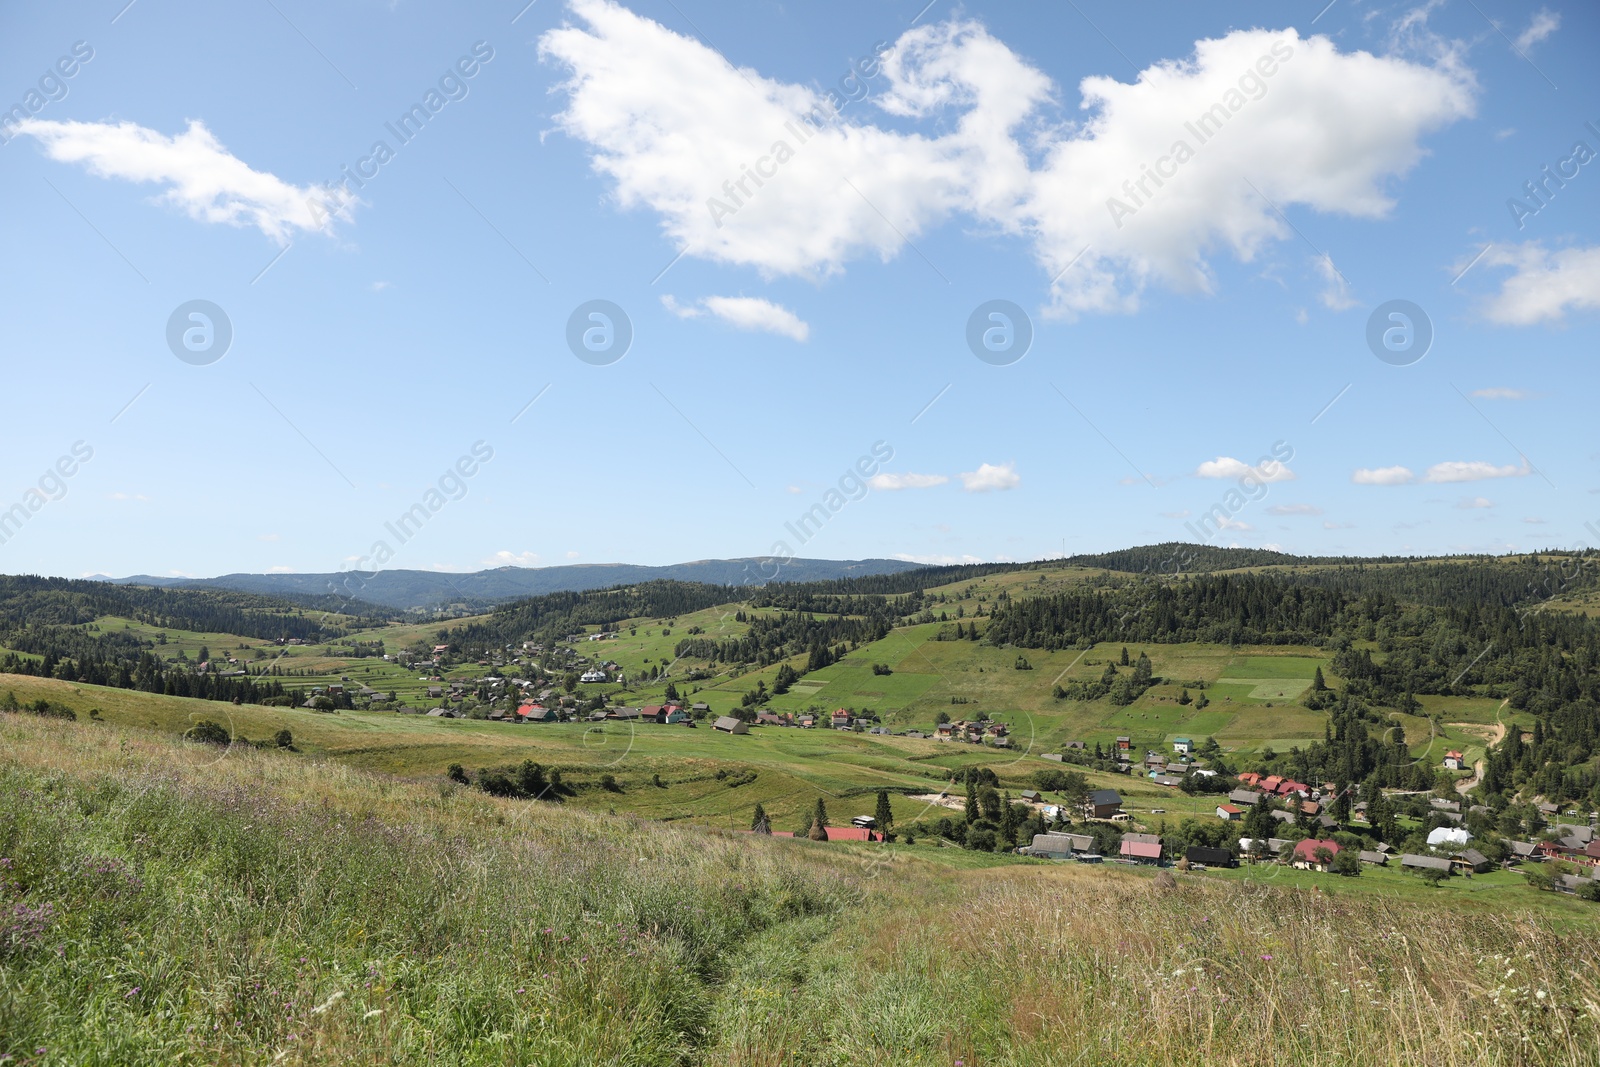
209 733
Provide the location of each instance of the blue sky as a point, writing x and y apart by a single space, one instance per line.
1199 366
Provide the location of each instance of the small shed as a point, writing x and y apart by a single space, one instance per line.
729 725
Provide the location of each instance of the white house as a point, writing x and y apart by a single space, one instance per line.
1448 835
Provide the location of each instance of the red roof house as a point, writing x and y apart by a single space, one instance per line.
1250 778
1142 848
1305 854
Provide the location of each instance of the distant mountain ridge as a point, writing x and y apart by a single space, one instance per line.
407 589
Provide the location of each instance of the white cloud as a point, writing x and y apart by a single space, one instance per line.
280 570
979 134
1226 523
906 481
504 558
1533 520
1545 22
1501 393
1329 524
1382 476
1294 509
1473 471
203 177
988 476
1184 514
1474 503
937 560
573 555
1544 285
1228 467
378 287
269 537
1335 295
744 312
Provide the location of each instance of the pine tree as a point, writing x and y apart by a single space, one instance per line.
759 821
884 816
972 799
1317 684
1123 660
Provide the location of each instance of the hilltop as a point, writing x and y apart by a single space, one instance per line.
414 590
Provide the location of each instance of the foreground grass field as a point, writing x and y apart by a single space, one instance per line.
163 906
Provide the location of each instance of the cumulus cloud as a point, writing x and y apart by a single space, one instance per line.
906 481
989 476
1474 471
1228 467
735 175
1382 476
202 177
1441 473
1294 509
1474 503
1543 285
505 558
1544 23
745 313
1335 295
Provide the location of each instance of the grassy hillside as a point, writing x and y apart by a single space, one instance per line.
166 906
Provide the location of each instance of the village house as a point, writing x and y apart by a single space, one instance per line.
535 713
1448 835
1030 796
729 725
1141 848
1377 859
1125 744
1247 797
1210 857
840 720
1472 860
1454 761
1412 862
1182 745
1314 855
1102 804
1229 813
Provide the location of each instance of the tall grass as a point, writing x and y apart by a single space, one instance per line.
160 905
259 908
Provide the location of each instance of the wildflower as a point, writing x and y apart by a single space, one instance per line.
1267 956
